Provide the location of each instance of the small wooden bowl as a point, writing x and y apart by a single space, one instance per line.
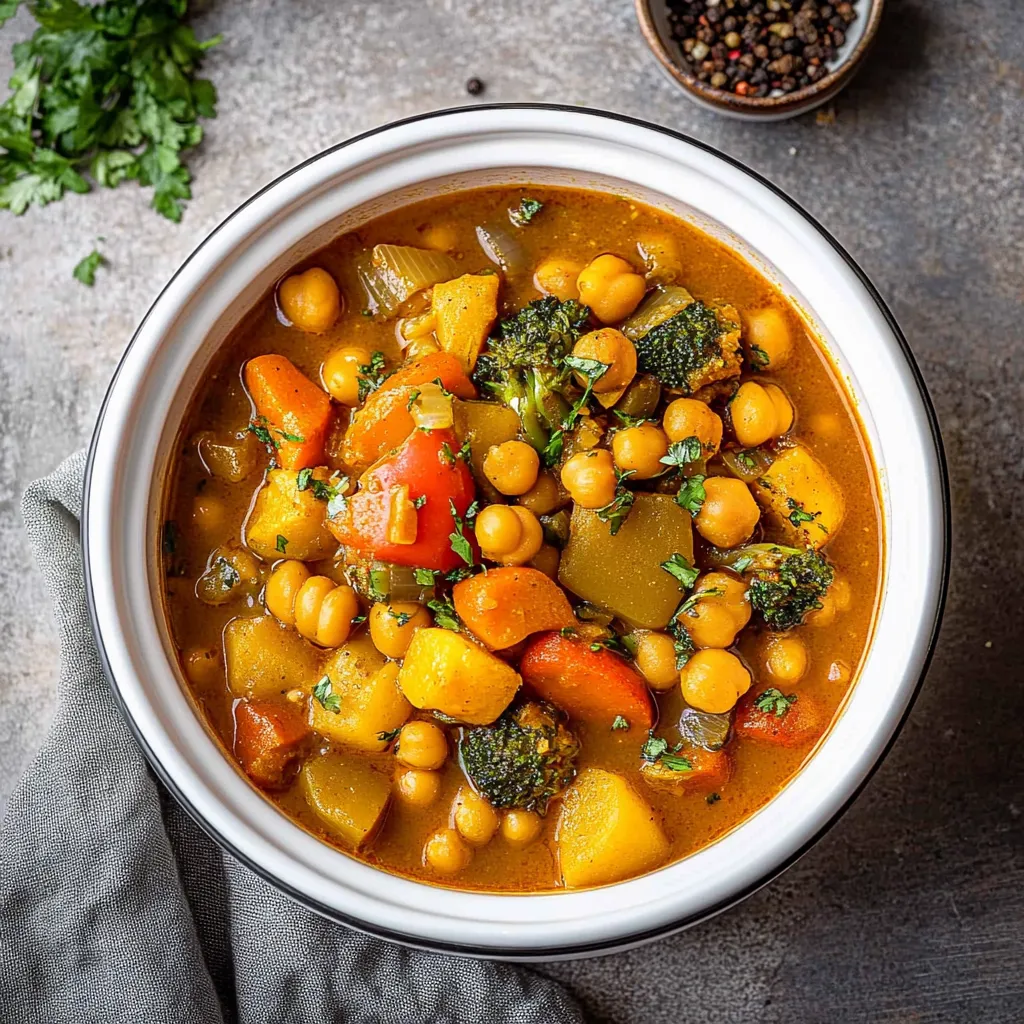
653 18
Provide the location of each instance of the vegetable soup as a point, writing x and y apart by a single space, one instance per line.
522 539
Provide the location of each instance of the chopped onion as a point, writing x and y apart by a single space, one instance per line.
661 305
410 328
660 254
501 248
747 464
393 274
704 729
432 408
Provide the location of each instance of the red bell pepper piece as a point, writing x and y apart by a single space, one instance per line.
429 466
269 739
593 686
802 720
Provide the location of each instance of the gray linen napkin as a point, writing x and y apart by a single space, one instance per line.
115 906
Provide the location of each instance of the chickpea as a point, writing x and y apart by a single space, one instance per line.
324 611
825 615
310 301
531 538
785 658
713 680
446 851
284 584
422 745
729 513
825 425
392 626
656 659
687 417
521 827
640 449
547 560
841 593
509 534
711 624
202 666
442 237
733 593
766 329
544 496
753 415
417 787
615 350
589 477
474 817
231 572
611 288
208 513
512 467
784 413
556 276
340 373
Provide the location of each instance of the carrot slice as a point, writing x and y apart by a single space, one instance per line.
709 770
291 407
504 606
801 720
594 686
384 421
269 738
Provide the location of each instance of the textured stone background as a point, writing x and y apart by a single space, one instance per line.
911 909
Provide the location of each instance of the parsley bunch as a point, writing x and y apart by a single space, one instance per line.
105 91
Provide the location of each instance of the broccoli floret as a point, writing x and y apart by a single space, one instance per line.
785 583
696 347
522 760
523 365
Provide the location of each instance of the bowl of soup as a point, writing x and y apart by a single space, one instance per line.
517 531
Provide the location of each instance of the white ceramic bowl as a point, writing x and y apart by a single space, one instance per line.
298 214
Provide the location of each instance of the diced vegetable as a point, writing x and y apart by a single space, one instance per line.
504 606
623 572
661 305
395 273
283 511
641 398
444 671
385 420
661 256
708 770
391 584
369 703
347 794
228 456
231 572
589 685
607 831
502 248
704 729
780 718
269 739
805 499
264 658
429 466
465 310
431 409
483 425
747 464
291 408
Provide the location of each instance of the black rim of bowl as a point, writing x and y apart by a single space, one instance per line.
575 949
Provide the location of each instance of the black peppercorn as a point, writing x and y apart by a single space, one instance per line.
474 87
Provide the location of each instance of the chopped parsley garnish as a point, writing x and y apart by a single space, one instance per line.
742 564
282 543
616 511
402 618
444 614
775 702
389 736
632 421
371 376
681 641
459 542
746 460
682 453
797 513
302 479
263 435
692 494
424 577
759 358
420 501
691 602
85 270
412 400
294 438
324 693
527 209
592 371
446 455
656 750
620 723
226 574
681 569
461 572
553 449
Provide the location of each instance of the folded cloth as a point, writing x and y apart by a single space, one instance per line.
115 906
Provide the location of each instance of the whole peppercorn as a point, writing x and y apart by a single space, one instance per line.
474 87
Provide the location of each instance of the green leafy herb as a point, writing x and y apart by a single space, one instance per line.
592 371
106 91
620 723
797 514
553 449
85 270
746 460
424 577
359 619
742 564
402 618
459 542
412 400
461 572
682 453
389 736
775 702
691 602
420 501
681 569
527 209
371 376
759 358
446 455
282 543
302 479
616 511
656 750
294 438
465 452
263 435
632 421
324 693
444 614
682 642
691 494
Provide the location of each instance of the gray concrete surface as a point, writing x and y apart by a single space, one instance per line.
911 909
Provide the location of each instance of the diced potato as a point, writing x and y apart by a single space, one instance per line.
484 424
797 485
623 573
282 510
370 701
464 311
607 831
264 658
348 795
444 671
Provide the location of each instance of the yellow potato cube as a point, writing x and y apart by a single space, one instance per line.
607 831
299 517
446 672
264 658
464 311
347 794
369 700
803 496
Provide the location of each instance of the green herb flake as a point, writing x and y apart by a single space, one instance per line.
620 723
412 400
446 456
618 509
371 376
262 433
444 614
302 480
420 501
294 438
681 569
85 270
759 359
324 694
797 514
402 618
774 701
459 542
424 577
694 599
742 564
656 750
282 543
692 494
527 209
682 642
389 736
